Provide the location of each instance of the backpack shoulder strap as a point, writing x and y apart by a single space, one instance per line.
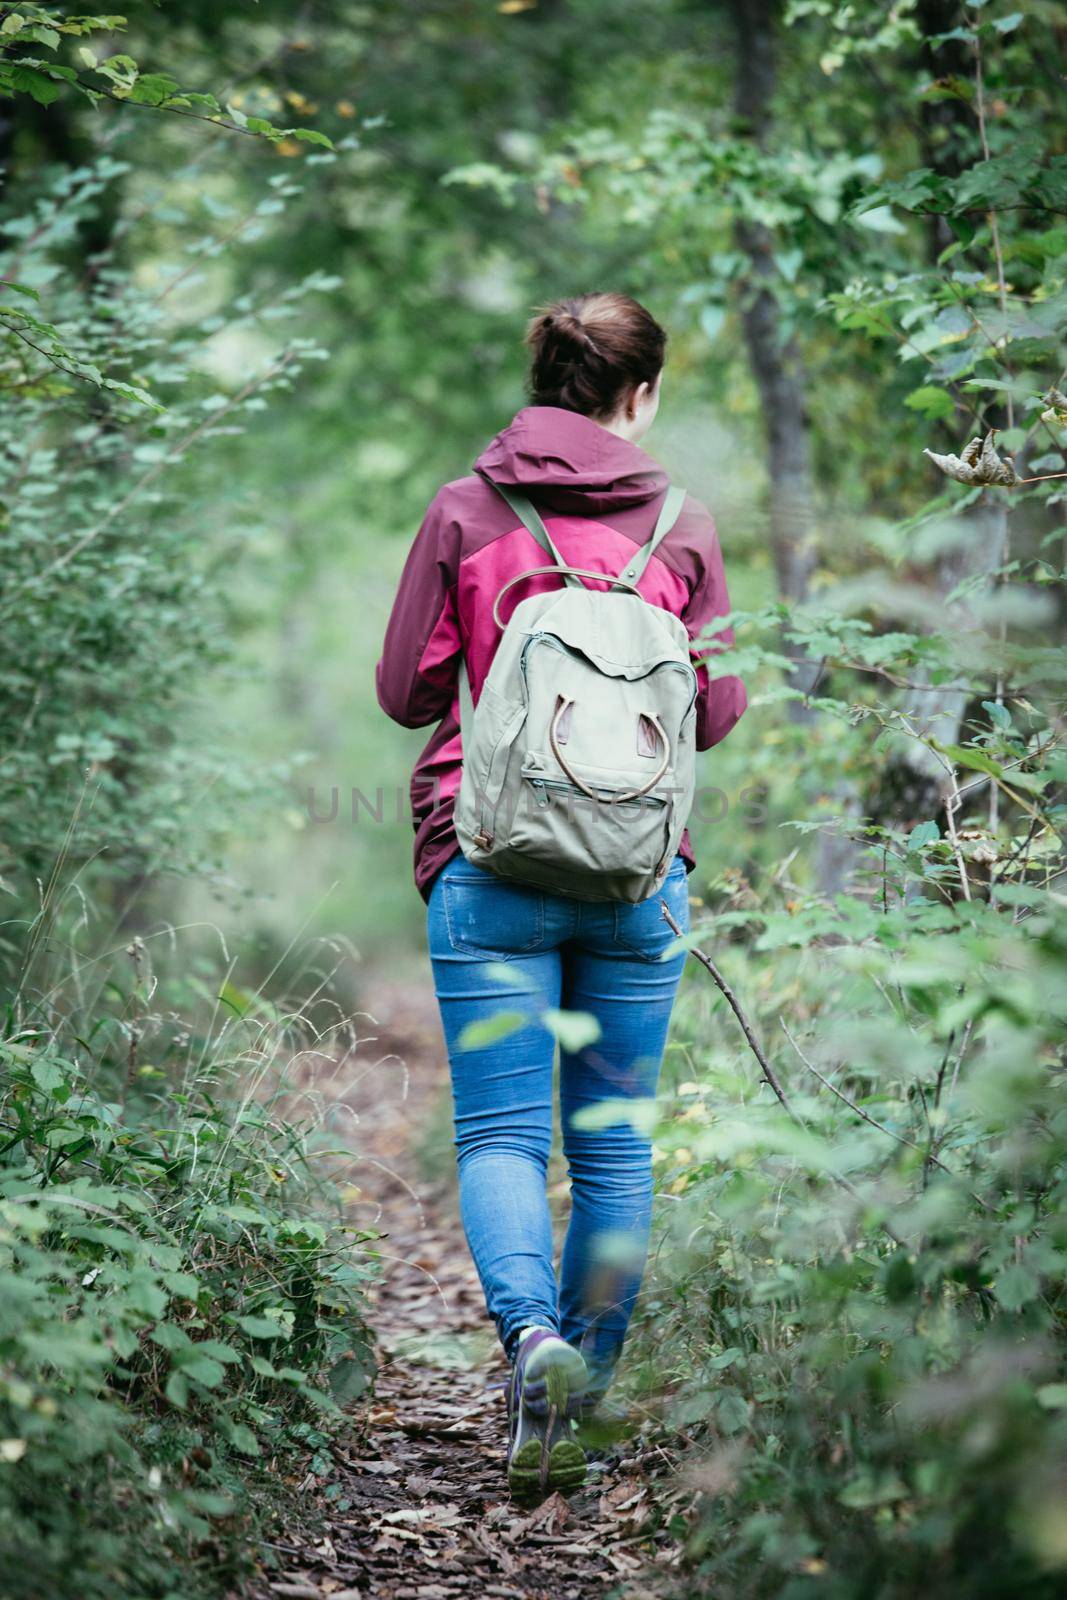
466 699
531 519
668 516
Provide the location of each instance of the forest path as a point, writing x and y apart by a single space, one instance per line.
415 1505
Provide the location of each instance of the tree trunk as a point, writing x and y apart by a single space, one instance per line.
945 122
915 777
773 354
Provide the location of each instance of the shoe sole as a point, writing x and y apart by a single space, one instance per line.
530 1474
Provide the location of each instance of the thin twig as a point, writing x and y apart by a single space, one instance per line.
735 1006
927 1155
225 124
952 805
55 361
852 1106
768 1071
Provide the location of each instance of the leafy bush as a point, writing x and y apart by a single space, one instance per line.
115 606
180 1299
862 1299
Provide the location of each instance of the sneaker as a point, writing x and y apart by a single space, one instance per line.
544 1395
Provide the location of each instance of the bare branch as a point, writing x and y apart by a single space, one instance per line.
735 1006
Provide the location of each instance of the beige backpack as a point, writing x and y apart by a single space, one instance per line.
578 760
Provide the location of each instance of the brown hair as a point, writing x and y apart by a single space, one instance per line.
589 350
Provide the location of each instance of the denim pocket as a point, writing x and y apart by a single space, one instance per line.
642 930
492 919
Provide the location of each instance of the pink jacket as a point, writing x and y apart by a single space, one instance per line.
599 496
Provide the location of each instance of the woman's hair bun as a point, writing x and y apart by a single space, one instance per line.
586 352
565 325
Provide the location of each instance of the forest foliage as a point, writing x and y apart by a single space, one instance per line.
238 330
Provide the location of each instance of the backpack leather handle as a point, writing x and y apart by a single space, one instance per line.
577 572
562 706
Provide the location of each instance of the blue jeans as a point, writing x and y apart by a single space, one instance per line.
505 951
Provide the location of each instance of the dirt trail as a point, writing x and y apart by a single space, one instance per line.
415 1506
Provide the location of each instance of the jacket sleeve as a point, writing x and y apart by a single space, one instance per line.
721 702
416 676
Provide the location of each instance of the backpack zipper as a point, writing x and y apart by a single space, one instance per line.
542 785
556 643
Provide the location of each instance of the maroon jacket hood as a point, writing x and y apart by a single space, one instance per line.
570 464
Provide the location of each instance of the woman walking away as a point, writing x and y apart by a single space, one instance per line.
548 607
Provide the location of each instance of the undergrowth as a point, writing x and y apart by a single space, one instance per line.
181 1298
858 1314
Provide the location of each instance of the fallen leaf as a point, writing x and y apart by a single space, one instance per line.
549 1516
979 463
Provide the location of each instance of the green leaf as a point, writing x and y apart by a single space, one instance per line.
63 1138
152 88
487 1030
998 714
182 1284
258 1327
48 1077
641 1113
176 1390
218 1351
245 1214
711 320
146 1296
880 219
965 756
573 1030
347 1380
170 1337
210 1502
240 1436
732 1411
1016 1285
42 89
924 833
201 1369
932 401
238 1002
311 136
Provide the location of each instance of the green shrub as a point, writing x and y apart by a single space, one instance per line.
180 1298
861 1299
118 608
